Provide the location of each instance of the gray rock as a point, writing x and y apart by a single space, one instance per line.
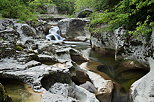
65 90
8 39
73 27
7 49
143 89
49 97
51 9
89 86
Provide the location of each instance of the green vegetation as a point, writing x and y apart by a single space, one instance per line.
19 48
40 5
15 9
134 15
65 6
27 9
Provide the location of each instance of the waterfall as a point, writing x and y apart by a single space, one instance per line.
54 35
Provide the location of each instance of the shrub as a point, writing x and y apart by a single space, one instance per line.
15 9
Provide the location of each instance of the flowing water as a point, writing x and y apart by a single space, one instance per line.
20 92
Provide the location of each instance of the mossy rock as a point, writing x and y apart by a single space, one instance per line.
3 95
19 48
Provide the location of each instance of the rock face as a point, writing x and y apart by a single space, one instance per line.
3 95
143 89
73 27
124 44
103 40
130 47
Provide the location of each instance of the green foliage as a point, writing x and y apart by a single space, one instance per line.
40 5
97 5
65 6
83 4
15 9
134 15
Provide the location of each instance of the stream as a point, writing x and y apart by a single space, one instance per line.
20 92
122 74
103 65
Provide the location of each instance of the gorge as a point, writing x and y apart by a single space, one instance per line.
44 71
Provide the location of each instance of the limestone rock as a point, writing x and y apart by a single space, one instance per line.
49 97
65 90
8 39
84 96
73 27
143 89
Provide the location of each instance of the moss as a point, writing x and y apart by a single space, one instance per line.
1 39
3 95
19 48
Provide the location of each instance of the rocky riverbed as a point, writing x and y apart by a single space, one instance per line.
52 70
48 68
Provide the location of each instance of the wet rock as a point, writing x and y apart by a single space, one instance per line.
73 27
3 95
84 13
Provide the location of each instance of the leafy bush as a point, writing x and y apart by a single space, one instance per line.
98 5
15 9
134 15
65 6
40 5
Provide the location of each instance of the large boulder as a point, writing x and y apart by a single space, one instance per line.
143 89
71 28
